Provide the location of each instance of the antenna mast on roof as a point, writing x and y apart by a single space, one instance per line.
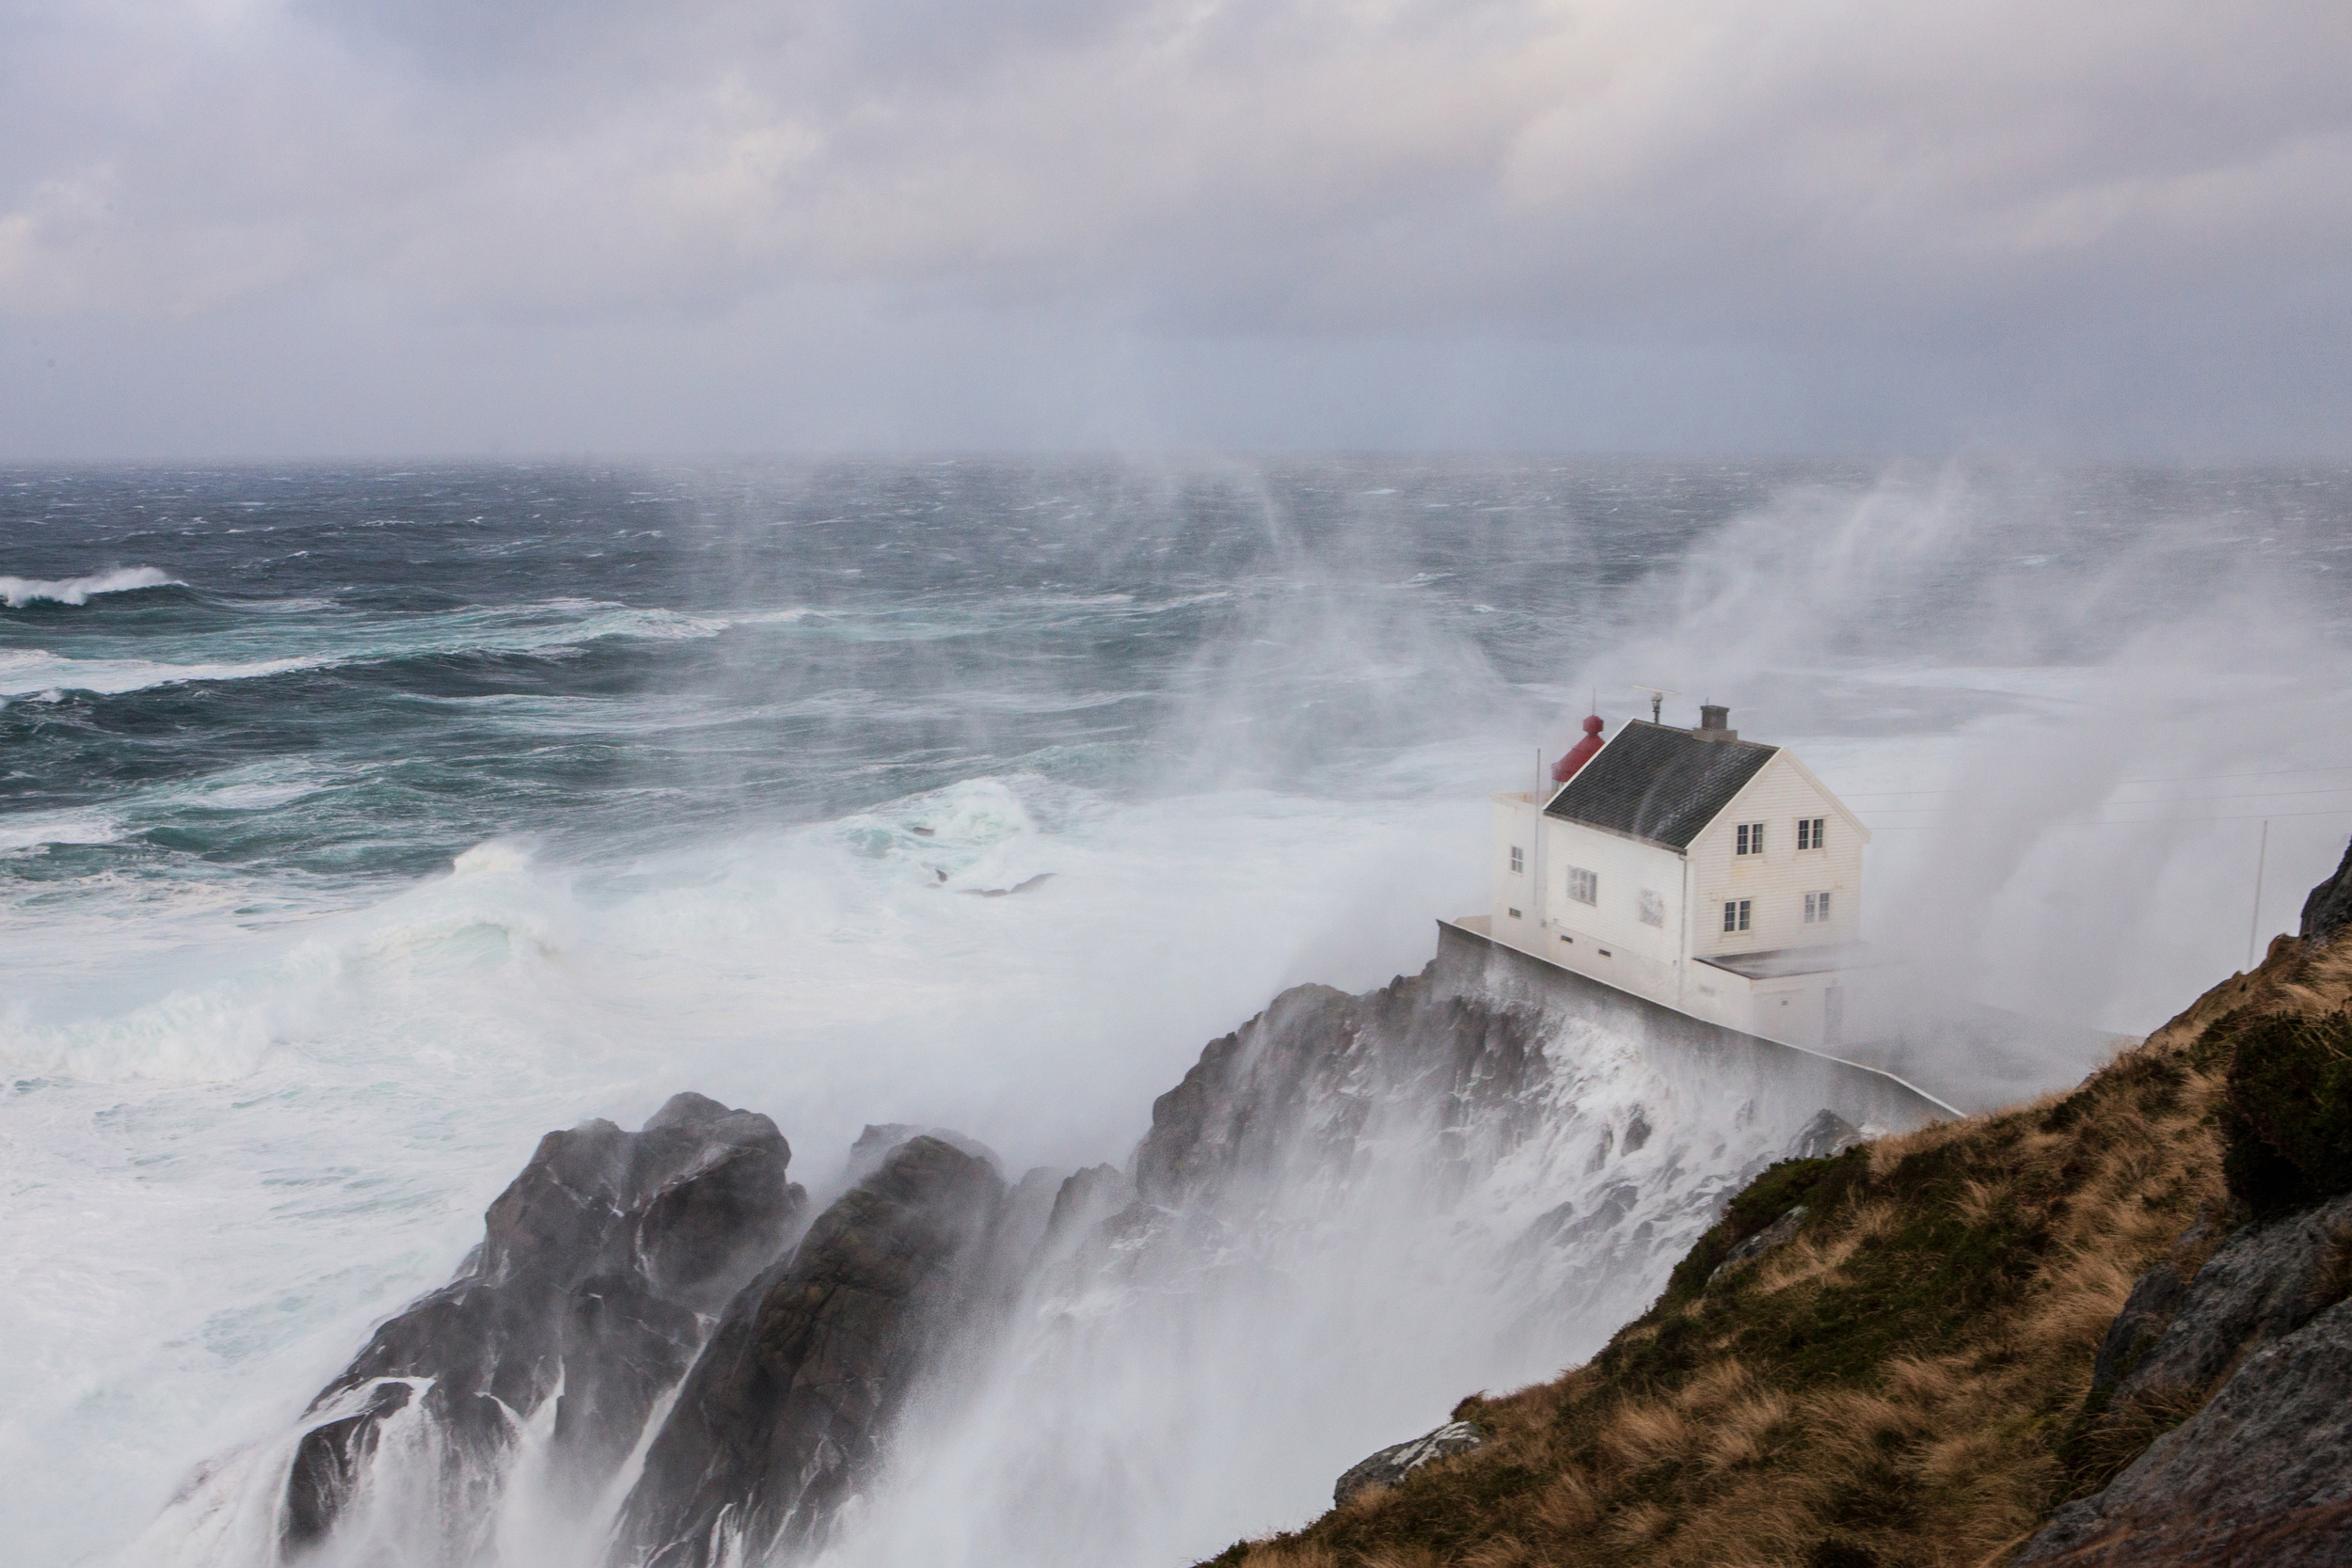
1658 695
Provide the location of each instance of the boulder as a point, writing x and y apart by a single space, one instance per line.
1756 1246
2260 1475
786 1411
596 1268
1392 1464
2261 1285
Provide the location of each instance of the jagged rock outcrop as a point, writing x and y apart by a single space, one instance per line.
879 1142
2258 1473
787 1410
596 1267
1394 1463
2261 1285
1300 1080
2258 1476
2328 910
1826 1134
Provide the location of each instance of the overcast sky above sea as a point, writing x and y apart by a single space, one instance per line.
355 226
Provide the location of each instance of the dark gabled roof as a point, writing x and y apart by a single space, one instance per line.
1658 785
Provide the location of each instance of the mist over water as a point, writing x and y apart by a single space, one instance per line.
356 827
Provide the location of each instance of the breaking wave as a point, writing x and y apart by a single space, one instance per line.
16 592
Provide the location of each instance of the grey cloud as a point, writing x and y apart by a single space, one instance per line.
1969 209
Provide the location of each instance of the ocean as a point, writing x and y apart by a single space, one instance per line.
358 825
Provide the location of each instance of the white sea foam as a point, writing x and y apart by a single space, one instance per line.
16 592
73 827
28 670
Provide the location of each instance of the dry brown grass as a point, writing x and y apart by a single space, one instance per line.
1892 1386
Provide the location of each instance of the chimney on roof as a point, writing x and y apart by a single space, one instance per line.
1714 722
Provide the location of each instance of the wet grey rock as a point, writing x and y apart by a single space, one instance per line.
596 1268
2261 1285
1826 1134
2328 910
2149 1310
1564 1227
1392 1464
329 1462
787 1410
879 1141
1756 1246
2262 1474
1300 1081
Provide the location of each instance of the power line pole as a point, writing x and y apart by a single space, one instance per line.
2253 926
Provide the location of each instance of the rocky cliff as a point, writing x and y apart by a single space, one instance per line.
2107 1328
587 1294
648 1364
787 1410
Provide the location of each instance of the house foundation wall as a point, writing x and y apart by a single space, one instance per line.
1741 1065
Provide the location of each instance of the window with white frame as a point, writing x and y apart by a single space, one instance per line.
1736 913
1653 908
1809 831
1815 909
1583 886
1748 839
1518 858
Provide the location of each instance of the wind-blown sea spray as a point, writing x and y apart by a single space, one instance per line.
592 787
1444 1180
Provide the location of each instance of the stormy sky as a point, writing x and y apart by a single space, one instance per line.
351 227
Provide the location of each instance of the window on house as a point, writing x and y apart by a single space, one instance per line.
1583 886
1736 913
1653 908
1514 914
1816 908
1518 858
1748 839
1809 831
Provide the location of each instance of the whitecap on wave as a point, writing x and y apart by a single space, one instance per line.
16 592
34 671
81 827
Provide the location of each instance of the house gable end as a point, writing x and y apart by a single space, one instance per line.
1737 809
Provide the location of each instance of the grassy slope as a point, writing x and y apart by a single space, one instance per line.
1903 1383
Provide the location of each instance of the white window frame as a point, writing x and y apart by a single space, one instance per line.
1583 886
1653 908
1748 839
1817 909
1812 832
1737 914
1519 859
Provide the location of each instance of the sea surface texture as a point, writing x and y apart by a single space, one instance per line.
359 826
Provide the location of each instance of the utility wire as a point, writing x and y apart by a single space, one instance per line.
2135 822
2182 800
2119 784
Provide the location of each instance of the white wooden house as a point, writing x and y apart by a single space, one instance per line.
1713 874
